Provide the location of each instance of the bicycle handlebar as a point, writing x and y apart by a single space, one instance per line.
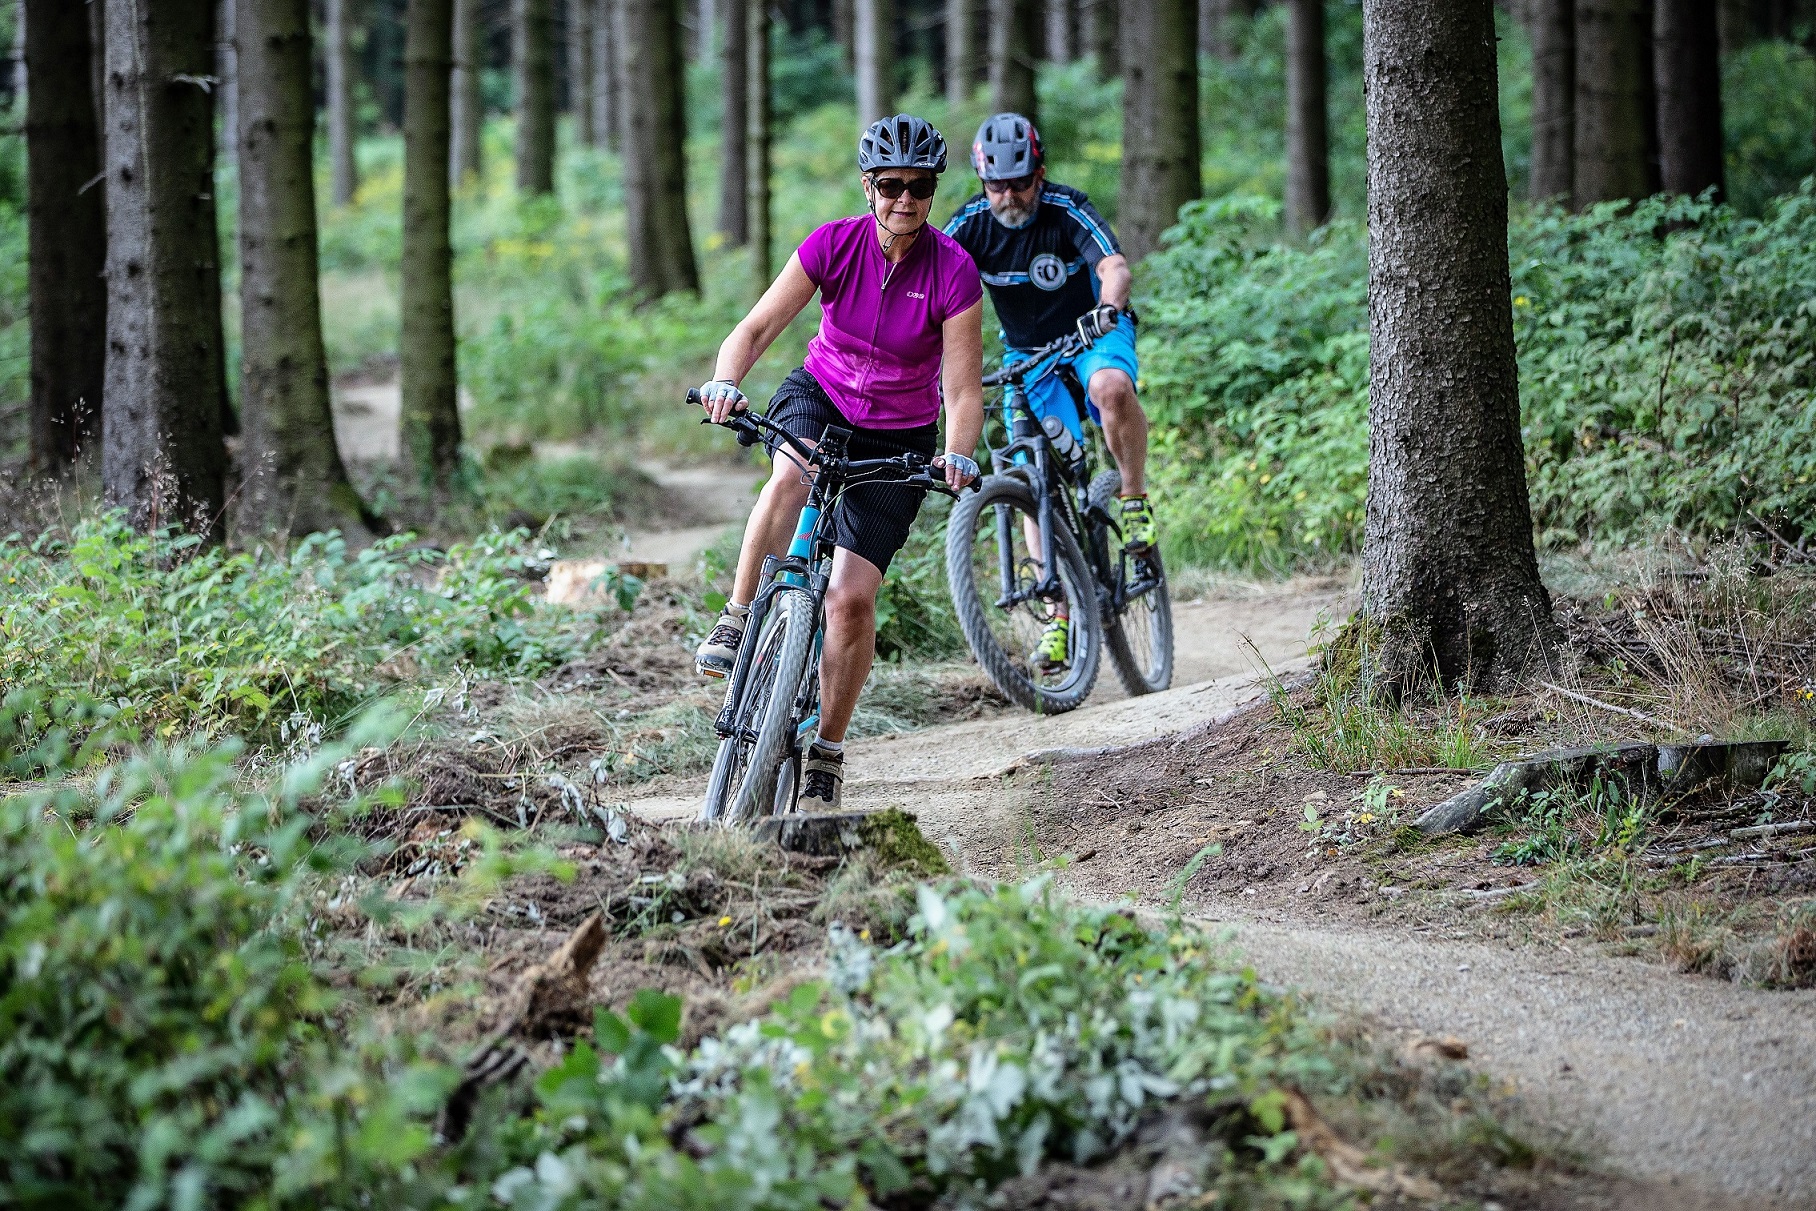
1065 346
912 467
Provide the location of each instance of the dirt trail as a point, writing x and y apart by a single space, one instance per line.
1703 1092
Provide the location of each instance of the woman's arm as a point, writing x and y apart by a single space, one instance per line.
962 378
784 299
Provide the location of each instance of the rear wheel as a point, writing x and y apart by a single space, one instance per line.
1139 632
745 771
993 569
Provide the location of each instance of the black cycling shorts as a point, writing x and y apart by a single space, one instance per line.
870 520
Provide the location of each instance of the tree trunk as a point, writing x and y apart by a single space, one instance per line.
1614 129
961 50
1450 582
1551 26
1688 67
1100 22
605 77
757 140
1736 22
734 125
467 125
661 242
163 460
844 30
1059 31
431 415
227 68
1160 147
16 73
580 69
292 478
1220 27
68 236
1015 38
874 53
1307 119
343 170
533 75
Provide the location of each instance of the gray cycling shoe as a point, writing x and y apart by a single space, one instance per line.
716 656
822 780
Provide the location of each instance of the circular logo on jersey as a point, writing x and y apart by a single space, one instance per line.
1047 271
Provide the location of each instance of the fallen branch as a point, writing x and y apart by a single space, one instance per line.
1772 830
1628 711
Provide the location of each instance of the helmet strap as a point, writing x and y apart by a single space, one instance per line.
887 236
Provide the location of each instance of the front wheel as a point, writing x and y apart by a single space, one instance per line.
994 569
1138 620
746 769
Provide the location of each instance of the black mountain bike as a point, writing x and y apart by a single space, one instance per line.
1042 539
772 698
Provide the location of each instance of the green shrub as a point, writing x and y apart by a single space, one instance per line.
1666 371
173 638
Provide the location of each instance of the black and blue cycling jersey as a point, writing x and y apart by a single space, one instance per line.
1041 277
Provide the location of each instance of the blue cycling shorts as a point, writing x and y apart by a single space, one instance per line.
1051 397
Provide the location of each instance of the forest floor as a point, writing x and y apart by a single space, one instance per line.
1676 1090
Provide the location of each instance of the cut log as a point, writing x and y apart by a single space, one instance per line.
1641 771
891 836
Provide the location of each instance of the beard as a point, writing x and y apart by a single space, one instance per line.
1011 215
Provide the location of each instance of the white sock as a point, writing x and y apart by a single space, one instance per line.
834 747
736 610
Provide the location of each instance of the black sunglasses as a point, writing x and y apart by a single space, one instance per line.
920 189
1012 185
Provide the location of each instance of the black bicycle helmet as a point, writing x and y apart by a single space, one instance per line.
903 141
1007 146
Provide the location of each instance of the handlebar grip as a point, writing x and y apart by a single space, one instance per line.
693 396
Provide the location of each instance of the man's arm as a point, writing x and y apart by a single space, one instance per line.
1114 280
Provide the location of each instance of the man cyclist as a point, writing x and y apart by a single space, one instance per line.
901 316
1053 266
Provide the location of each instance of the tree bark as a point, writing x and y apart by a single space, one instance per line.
227 68
844 30
756 148
1736 22
1160 144
1015 38
661 242
1615 134
1450 581
1060 46
1687 45
163 460
431 414
1551 27
873 50
343 169
533 74
961 50
292 479
67 236
580 68
605 78
734 125
1100 22
1307 119
16 56
467 123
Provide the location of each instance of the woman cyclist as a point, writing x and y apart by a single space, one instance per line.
901 317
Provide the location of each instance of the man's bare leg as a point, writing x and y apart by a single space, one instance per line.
1125 427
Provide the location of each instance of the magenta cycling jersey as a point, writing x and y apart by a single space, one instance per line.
877 353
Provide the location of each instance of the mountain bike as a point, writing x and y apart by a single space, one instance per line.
1041 540
772 698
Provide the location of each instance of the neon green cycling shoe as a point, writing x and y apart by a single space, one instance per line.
1139 533
1054 651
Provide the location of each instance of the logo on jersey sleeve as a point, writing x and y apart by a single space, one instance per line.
1047 271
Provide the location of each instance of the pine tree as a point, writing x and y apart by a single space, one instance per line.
1687 46
292 477
67 234
430 413
1307 118
1616 144
655 145
1015 39
466 159
343 169
756 143
734 97
1551 27
1160 143
533 74
961 50
1450 581
163 459
873 51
